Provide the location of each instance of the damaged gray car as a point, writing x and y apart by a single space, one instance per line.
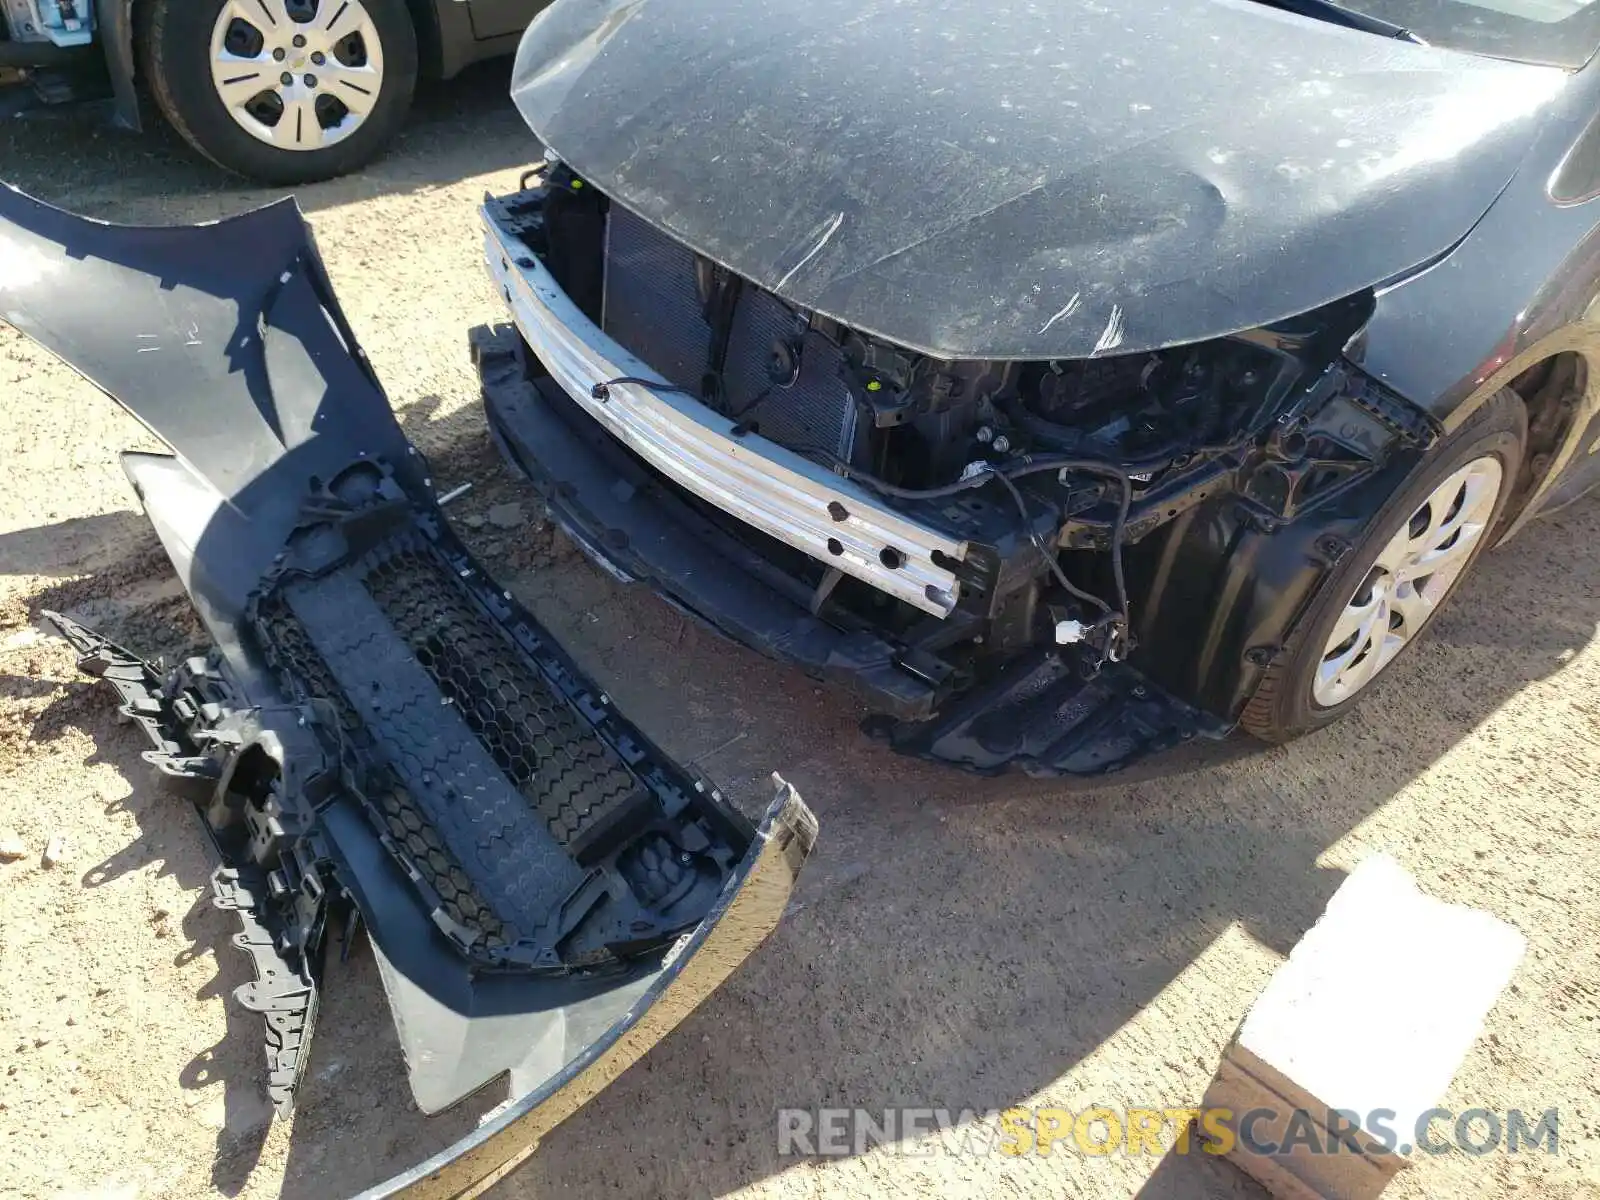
1072 383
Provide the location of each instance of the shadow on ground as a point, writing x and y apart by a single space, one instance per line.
956 942
72 546
169 835
70 157
353 1034
963 943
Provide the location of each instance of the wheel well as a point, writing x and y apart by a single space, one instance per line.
1550 390
138 30
430 42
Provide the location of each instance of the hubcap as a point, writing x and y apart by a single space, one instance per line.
1405 585
297 74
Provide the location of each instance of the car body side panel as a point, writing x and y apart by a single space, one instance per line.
458 38
1582 473
1523 286
493 19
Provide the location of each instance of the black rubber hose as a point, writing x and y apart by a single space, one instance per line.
1118 526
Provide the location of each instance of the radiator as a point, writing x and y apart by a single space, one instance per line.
653 307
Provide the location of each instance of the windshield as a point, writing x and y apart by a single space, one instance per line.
1563 33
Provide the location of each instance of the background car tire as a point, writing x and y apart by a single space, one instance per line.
175 42
1284 706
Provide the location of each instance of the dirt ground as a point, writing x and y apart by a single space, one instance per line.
956 943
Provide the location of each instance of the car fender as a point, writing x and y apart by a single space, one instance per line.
1519 289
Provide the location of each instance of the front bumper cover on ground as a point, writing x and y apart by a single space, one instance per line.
380 730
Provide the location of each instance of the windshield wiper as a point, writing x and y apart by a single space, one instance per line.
1338 14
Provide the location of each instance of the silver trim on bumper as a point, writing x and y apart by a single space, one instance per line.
761 483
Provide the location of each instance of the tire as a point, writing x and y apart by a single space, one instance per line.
175 44
1286 704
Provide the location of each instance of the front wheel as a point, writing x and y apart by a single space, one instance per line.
284 91
1393 583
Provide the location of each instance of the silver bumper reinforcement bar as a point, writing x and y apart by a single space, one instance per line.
770 488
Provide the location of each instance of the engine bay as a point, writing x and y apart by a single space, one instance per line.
1049 473
853 402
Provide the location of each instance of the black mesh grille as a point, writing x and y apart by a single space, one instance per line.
303 670
569 776
487 780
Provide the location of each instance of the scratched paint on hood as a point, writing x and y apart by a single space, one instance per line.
1030 180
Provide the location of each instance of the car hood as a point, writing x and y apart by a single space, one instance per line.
1046 180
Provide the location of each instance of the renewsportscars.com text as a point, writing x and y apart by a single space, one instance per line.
1102 1130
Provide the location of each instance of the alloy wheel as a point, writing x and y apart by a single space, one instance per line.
1413 573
